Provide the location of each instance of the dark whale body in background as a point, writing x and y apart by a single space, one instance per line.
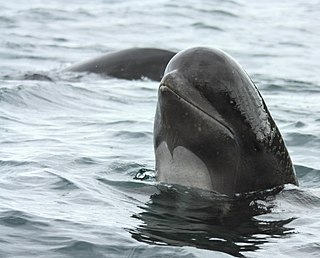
131 64
212 129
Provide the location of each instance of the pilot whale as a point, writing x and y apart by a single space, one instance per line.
213 130
131 64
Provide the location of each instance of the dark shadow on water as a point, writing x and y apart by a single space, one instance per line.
179 216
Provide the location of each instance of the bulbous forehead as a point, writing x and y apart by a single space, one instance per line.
202 60
218 77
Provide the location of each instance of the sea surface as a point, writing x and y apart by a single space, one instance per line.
76 149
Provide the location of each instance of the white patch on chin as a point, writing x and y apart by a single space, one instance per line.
182 168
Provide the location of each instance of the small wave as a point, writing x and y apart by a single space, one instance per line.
14 163
85 161
81 249
62 183
37 77
43 96
31 76
12 96
308 176
7 21
132 169
299 124
300 139
46 14
33 97
128 185
296 200
16 218
312 249
43 141
293 44
7 118
121 122
222 13
132 135
286 85
201 25
128 168
17 46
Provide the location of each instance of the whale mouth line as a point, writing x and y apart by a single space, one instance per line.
164 86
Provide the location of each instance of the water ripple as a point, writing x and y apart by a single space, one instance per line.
201 25
20 219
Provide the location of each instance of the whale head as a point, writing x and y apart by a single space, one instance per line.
213 130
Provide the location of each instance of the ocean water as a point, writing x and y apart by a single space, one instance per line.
76 150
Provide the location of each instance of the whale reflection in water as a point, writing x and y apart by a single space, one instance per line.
180 216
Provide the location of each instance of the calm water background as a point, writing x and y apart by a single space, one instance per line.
72 144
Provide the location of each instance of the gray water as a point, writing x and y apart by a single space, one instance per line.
76 151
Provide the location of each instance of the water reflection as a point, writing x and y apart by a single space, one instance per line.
183 217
